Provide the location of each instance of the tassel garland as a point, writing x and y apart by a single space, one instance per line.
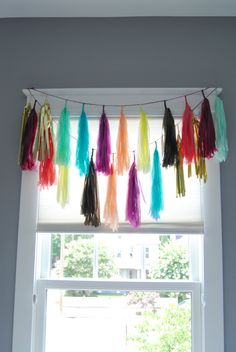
187 143
220 129
90 206
133 213
27 157
180 184
143 143
110 209
103 146
122 146
201 139
82 149
206 138
170 145
157 201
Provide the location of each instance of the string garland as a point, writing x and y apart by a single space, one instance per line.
200 138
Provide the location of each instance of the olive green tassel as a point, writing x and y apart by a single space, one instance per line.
180 184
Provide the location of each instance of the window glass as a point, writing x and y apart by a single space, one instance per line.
120 256
130 321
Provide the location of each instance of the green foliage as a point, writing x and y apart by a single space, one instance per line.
78 259
173 262
164 331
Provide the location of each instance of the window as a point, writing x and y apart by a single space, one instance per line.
53 304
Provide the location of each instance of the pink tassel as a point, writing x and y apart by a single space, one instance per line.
187 143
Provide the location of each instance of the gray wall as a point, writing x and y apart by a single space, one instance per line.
141 52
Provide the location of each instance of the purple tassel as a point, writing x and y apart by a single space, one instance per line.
103 146
133 213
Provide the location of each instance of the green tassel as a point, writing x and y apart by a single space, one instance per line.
63 138
220 130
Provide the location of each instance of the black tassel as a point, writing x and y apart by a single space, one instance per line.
90 206
170 144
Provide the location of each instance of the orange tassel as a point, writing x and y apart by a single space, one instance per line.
122 146
110 209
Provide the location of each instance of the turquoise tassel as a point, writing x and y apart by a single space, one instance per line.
221 131
157 202
63 138
82 149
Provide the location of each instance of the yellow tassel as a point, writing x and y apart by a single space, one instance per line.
200 162
63 185
180 184
143 144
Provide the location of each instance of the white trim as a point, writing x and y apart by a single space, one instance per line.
213 264
24 286
148 228
212 293
135 285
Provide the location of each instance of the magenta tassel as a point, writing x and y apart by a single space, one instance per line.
133 213
206 137
103 146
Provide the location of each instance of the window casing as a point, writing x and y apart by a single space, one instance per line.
205 285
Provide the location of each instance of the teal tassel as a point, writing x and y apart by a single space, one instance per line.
63 138
220 129
157 202
82 149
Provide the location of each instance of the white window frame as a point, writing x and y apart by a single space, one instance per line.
28 295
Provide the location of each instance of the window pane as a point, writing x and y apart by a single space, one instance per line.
118 321
120 256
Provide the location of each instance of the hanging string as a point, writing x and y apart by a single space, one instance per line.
115 105
160 101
